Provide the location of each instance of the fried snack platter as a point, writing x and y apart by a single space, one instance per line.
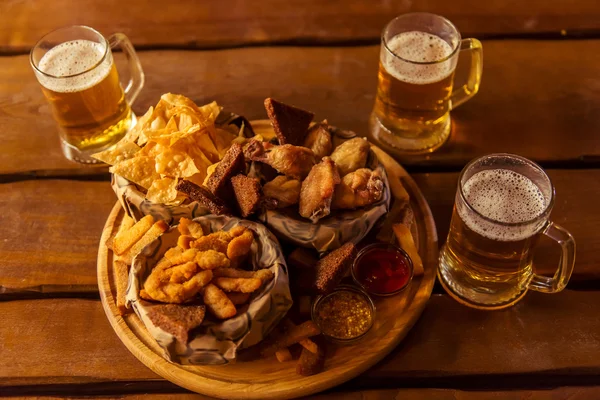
265 377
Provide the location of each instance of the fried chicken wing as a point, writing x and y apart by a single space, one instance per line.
358 189
318 189
319 141
282 192
293 161
351 155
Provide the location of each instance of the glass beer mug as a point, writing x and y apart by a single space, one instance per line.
75 67
415 92
502 207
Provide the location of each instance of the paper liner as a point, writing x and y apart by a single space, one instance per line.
334 230
216 342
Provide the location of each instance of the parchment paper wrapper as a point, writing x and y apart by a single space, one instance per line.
134 200
334 230
214 341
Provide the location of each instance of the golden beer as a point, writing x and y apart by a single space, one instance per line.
498 217
418 57
85 94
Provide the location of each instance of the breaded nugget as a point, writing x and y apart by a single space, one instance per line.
184 241
211 259
240 245
265 275
217 302
188 227
176 284
244 285
237 230
176 258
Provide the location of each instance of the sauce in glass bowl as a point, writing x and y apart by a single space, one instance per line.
382 269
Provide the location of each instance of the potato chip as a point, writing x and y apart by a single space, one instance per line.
209 172
121 152
177 164
222 140
163 191
139 170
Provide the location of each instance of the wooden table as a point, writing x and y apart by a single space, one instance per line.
540 98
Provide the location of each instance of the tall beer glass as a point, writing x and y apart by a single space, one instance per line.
418 57
502 207
75 67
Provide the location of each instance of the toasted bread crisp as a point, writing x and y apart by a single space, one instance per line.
150 236
311 362
331 269
127 238
247 193
176 319
203 196
233 163
121 275
290 123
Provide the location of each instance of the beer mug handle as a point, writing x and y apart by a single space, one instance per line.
136 74
565 265
471 87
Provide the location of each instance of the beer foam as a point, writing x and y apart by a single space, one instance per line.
505 196
72 58
418 47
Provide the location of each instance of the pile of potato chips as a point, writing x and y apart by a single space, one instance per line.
175 139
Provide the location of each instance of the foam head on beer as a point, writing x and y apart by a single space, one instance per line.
77 63
504 196
418 47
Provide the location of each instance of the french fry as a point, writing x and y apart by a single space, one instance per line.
121 275
292 336
217 302
125 225
238 298
184 241
244 285
283 355
407 243
128 238
150 236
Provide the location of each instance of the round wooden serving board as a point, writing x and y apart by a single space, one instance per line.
267 378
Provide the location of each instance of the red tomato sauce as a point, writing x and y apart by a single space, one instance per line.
383 270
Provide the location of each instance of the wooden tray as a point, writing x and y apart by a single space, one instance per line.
267 378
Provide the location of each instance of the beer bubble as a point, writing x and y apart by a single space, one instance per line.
504 196
418 47
73 58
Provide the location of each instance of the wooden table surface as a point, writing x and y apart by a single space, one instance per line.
540 98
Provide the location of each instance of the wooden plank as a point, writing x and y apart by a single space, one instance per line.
545 336
186 23
571 393
50 234
51 238
544 111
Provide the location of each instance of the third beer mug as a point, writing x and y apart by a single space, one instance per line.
418 57
502 206
75 68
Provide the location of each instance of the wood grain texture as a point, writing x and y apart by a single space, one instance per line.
450 345
538 98
260 378
186 23
565 393
50 234
44 248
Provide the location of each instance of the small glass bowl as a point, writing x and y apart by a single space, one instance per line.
343 288
387 247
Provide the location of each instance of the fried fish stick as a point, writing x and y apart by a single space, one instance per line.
238 298
217 302
407 244
128 238
150 236
211 259
184 241
244 285
265 275
292 336
190 228
240 245
215 241
283 355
